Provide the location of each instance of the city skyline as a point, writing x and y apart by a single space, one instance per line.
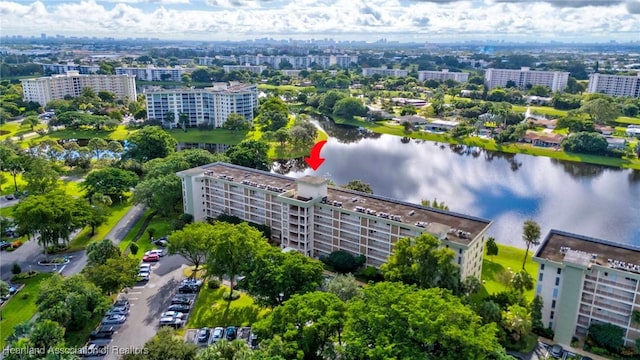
395 20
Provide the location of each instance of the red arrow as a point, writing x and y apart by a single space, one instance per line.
314 160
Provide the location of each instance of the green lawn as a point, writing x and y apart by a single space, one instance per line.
212 310
13 128
21 307
545 110
628 120
120 133
493 268
287 88
215 136
162 227
7 187
84 238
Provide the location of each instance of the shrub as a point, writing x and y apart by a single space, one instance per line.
213 284
234 295
133 248
342 261
56 249
371 273
16 269
608 336
23 276
24 296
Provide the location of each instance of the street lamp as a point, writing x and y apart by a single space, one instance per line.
120 199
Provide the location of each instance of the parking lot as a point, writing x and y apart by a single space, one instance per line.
147 301
207 336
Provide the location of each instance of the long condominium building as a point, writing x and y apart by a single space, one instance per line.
384 72
614 85
299 62
44 89
152 73
443 75
209 106
315 219
585 281
258 69
525 78
64 68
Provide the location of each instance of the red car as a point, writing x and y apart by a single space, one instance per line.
151 258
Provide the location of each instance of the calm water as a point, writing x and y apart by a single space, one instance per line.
584 199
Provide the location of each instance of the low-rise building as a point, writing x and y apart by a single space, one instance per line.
584 281
441 125
543 139
315 219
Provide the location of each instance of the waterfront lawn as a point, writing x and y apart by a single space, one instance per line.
212 310
494 267
214 136
84 238
21 307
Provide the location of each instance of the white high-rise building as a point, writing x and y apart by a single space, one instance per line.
585 281
384 72
152 73
209 106
315 219
525 78
44 89
64 68
614 85
443 75
258 69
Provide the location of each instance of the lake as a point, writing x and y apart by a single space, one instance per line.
507 188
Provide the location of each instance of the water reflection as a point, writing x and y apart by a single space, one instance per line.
344 134
506 188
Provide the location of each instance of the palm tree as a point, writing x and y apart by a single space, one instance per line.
531 236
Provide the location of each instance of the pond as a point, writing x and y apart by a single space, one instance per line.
507 188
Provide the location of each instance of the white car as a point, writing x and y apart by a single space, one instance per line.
145 267
143 276
174 314
158 252
171 321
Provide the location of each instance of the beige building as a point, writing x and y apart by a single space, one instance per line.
315 219
583 281
44 89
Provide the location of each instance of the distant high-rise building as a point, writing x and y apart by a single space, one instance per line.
614 85
209 106
525 78
70 66
384 72
443 75
258 69
44 89
152 73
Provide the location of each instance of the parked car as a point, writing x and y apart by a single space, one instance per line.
145 267
93 349
174 314
244 333
151 258
231 333
188 289
181 300
159 252
113 320
10 197
122 303
253 342
218 334
195 282
179 308
162 242
103 332
171 321
203 335
118 310
4 245
556 351
143 276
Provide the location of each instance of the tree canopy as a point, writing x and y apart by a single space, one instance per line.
192 242
109 181
359 185
149 143
250 153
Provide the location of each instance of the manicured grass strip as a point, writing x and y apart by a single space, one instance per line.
212 310
120 133
84 238
162 227
21 307
215 136
628 120
545 110
508 257
135 229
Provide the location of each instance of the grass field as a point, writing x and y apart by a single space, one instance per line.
120 133
13 128
21 307
212 310
287 88
84 238
215 136
628 120
162 227
545 110
508 258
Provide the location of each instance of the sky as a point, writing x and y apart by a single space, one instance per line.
369 20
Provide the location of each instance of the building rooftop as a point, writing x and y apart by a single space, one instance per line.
455 227
560 246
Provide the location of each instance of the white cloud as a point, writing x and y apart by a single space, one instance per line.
233 19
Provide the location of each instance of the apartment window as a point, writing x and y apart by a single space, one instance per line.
552 314
540 277
541 266
459 251
553 304
538 289
555 293
557 281
559 271
550 324
459 260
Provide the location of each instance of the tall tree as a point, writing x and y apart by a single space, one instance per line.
345 286
601 110
192 243
149 143
396 321
531 236
310 323
32 121
250 153
421 261
100 251
97 146
41 177
46 334
12 161
227 350
236 122
492 246
115 274
359 185
166 345
516 321
109 181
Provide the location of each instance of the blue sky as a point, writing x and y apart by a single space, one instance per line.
405 20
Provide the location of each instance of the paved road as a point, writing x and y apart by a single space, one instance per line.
147 301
